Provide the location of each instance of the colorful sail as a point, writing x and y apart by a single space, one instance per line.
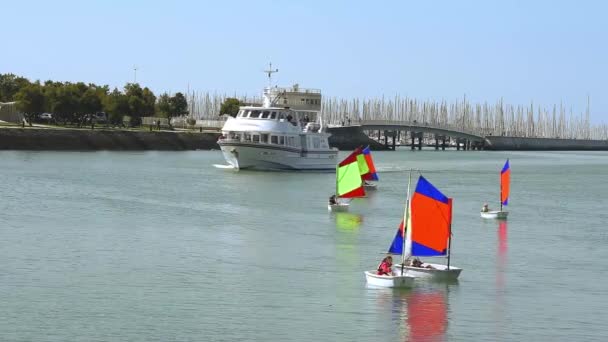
505 180
431 212
397 245
348 178
366 164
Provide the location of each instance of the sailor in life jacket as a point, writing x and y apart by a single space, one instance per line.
485 208
385 267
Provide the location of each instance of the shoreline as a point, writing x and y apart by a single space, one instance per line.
104 139
62 139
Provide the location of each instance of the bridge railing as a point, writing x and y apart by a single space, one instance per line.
454 128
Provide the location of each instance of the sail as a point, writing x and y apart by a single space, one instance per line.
430 221
370 169
397 244
348 178
505 180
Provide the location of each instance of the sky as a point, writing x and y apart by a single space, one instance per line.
542 51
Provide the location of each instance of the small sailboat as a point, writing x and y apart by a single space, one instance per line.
505 180
427 234
399 278
348 184
367 169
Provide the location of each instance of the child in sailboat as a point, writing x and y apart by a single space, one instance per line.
386 266
332 200
485 208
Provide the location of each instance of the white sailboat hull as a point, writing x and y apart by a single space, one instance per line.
338 207
494 214
261 157
373 279
370 187
438 272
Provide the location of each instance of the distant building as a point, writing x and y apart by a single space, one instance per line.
9 113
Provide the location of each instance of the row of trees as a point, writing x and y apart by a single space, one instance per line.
74 102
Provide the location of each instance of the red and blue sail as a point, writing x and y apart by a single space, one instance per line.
505 180
371 175
397 245
431 217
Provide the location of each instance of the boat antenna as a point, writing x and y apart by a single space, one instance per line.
450 234
405 219
269 72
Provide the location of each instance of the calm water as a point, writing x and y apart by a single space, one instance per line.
164 247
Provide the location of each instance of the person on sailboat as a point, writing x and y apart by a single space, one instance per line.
485 208
332 200
386 266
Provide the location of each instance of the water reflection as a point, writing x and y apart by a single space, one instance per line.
501 265
348 221
420 313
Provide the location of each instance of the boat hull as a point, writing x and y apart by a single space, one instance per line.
396 281
370 187
338 207
438 272
261 157
494 214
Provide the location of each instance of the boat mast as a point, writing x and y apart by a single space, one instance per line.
500 199
269 72
450 234
405 220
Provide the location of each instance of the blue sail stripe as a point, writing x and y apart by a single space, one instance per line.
397 245
505 168
424 187
419 250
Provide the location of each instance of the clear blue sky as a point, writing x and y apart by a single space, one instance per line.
546 51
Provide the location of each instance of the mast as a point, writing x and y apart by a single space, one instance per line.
450 234
405 220
269 72
500 198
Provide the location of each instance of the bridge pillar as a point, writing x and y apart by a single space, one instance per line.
413 140
386 139
394 139
420 135
436 143
468 142
443 144
458 144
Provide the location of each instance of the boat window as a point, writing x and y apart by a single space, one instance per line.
256 138
291 142
265 114
264 138
254 114
247 137
281 115
281 140
273 115
285 101
302 100
316 143
274 139
234 135
240 114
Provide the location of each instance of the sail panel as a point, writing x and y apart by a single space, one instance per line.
397 245
505 180
431 215
349 180
371 174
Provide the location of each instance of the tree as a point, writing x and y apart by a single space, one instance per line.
30 101
163 105
179 105
141 102
10 85
230 106
116 105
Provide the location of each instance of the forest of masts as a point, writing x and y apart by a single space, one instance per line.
479 118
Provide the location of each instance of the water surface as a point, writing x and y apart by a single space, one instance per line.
161 246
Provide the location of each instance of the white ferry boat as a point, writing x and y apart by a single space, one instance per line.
285 133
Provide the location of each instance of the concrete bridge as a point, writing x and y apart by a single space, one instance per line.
441 133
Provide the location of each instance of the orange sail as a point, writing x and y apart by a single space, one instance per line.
505 180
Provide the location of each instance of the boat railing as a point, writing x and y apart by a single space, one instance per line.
294 90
